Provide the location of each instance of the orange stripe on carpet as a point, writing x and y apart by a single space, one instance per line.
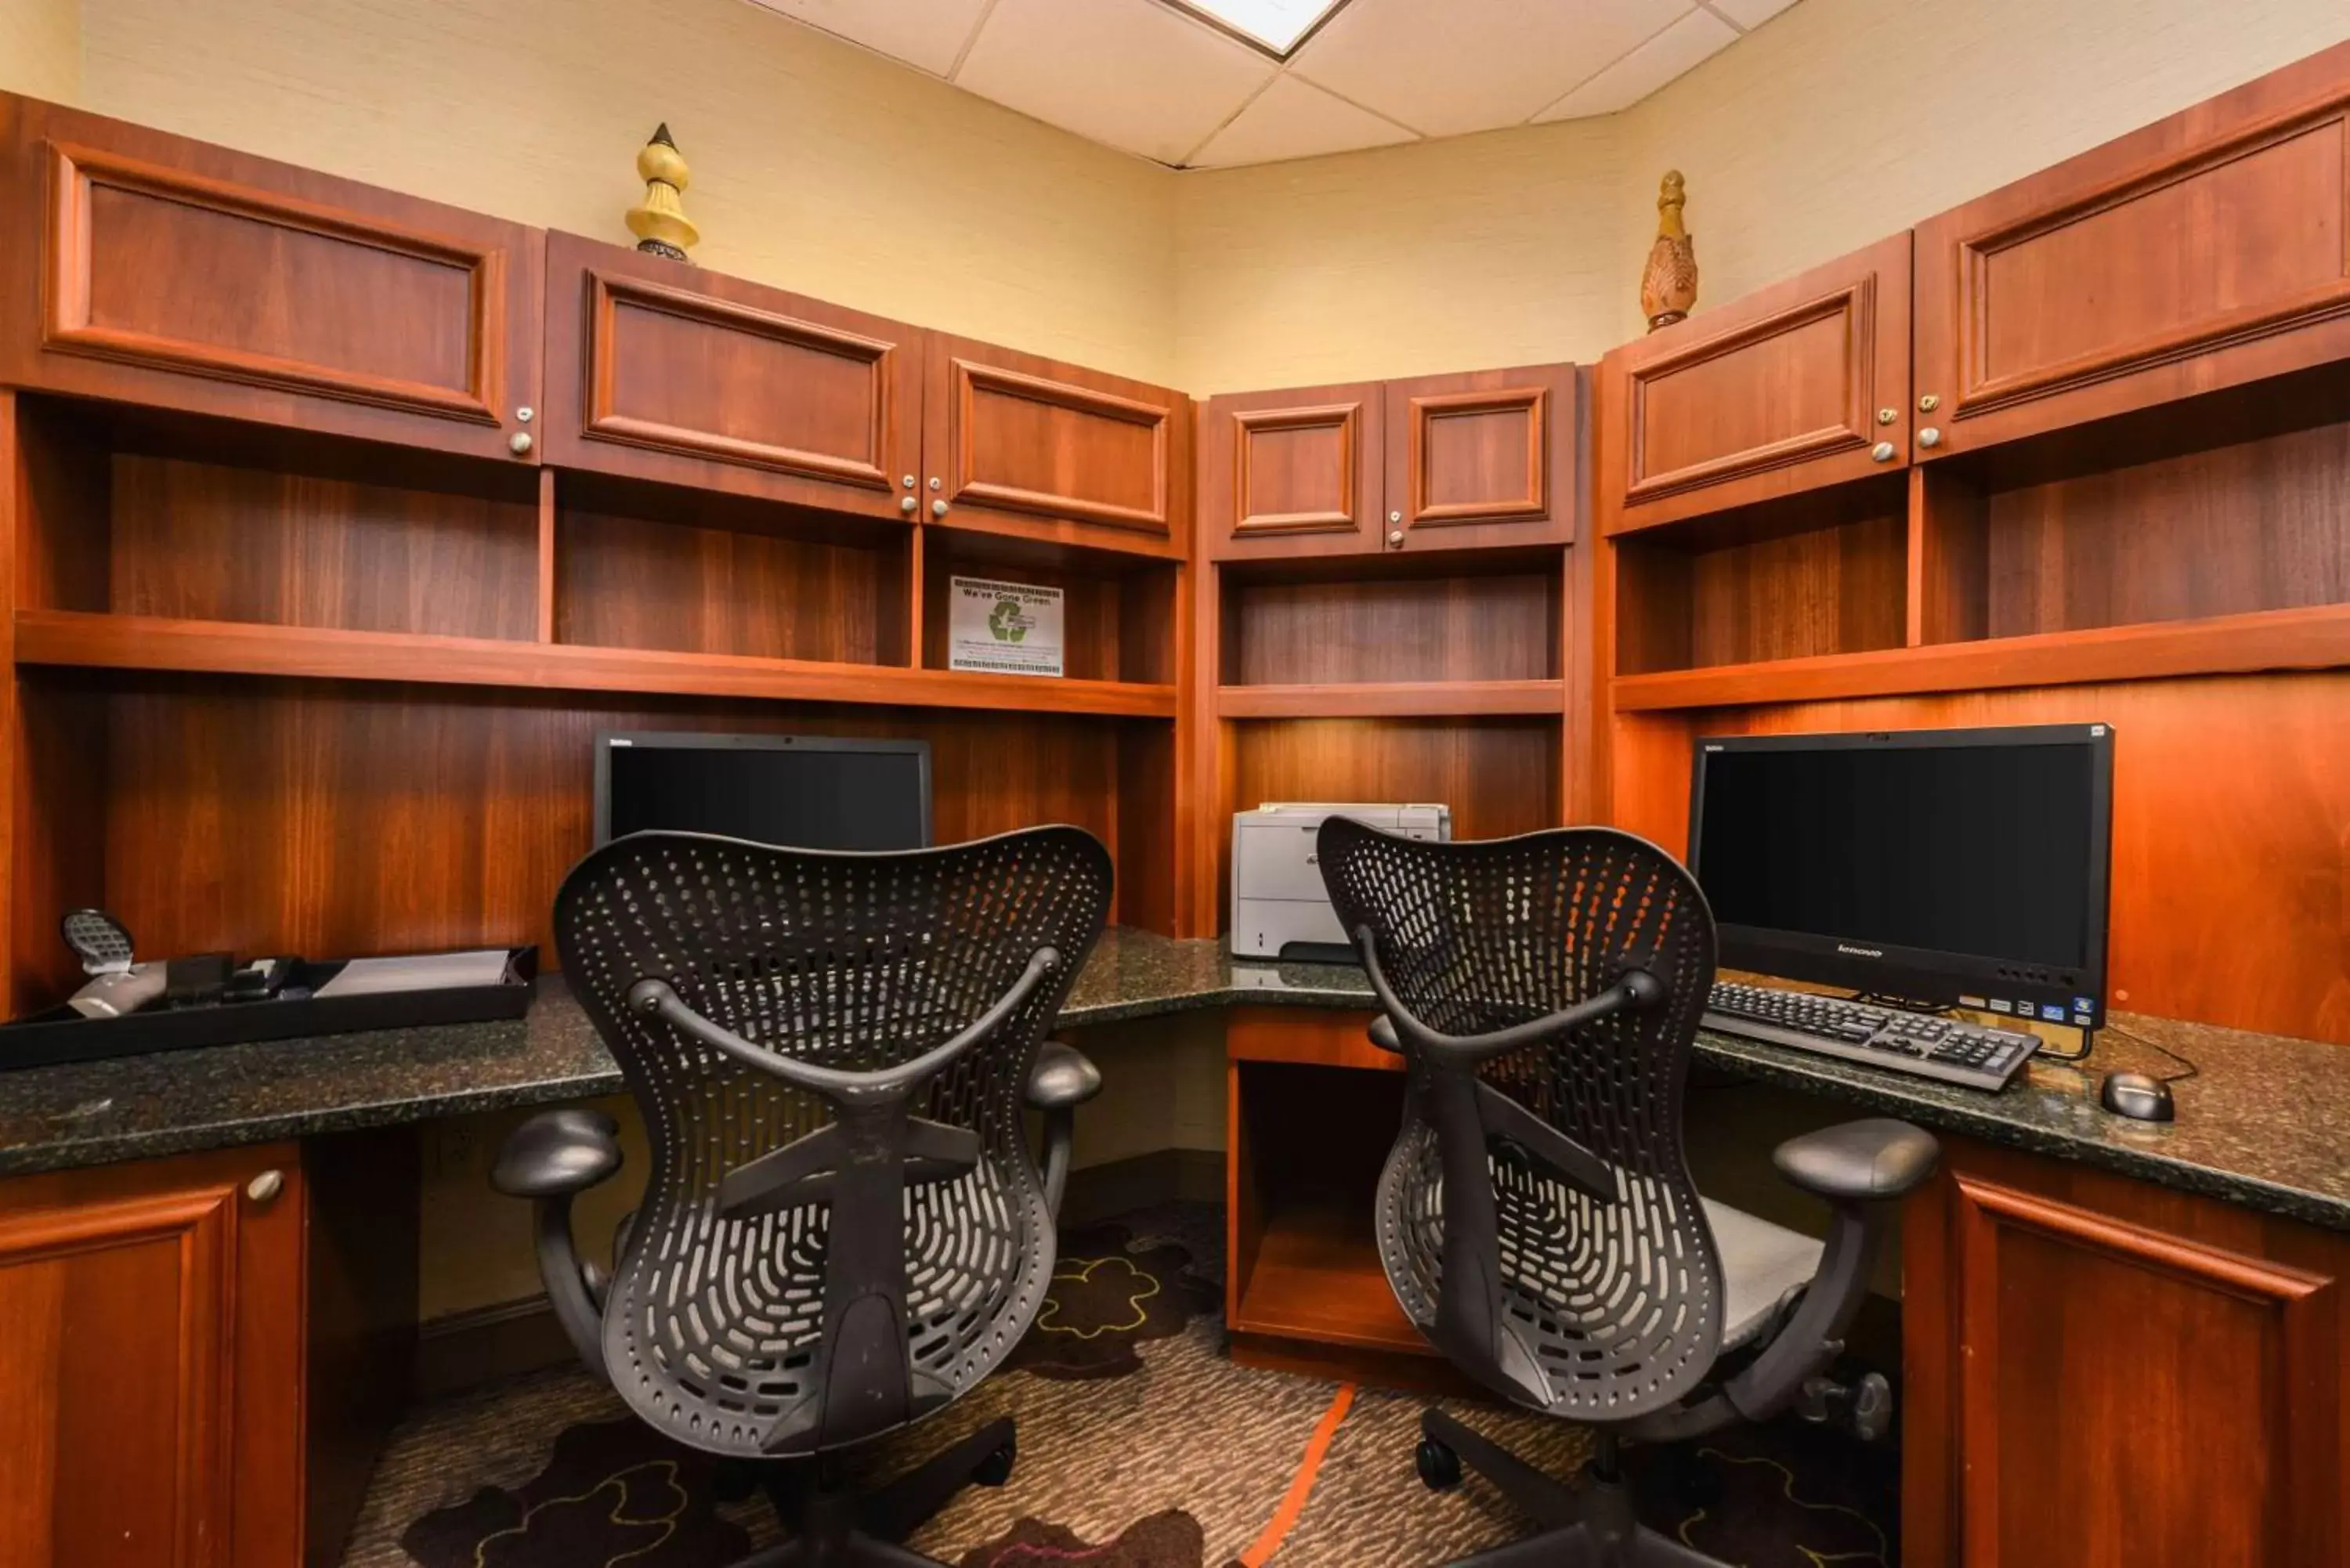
1300 1485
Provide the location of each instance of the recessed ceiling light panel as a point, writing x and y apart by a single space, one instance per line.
1276 26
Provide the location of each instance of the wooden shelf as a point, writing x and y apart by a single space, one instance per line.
89 640
1317 1277
2317 638
1393 700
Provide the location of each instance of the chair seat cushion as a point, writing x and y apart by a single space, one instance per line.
1761 1262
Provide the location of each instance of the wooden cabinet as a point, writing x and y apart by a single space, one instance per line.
663 371
151 1370
2102 1373
1802 384
157 270
1456 462
2206 251
1017 444
1294 472
1484 458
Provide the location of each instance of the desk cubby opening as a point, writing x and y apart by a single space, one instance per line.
2240 510
1823 572
1500 775
1118 609
644 566
337 818
1310 1142
1464 622
177 517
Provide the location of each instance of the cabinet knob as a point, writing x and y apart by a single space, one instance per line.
934 482
519 443
1395 517
265 1188
522 415
1930 436
1886 415
1929 401
907 504
938 508
1882 451
908 482
1396 539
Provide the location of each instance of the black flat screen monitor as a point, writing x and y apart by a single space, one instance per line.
809 792
1946 866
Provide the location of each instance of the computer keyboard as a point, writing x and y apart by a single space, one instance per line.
1889 1037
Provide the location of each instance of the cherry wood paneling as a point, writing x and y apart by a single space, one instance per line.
1292 472
630 582
2230 835
150 1381
2110 1374
661 370
1793 387
2208 249
1500 776
1483 458
322 819
1487 627
173 273
1033 447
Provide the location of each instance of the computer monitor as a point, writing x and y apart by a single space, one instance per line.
1944 867
811 792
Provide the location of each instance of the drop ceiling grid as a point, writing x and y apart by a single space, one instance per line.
1151 79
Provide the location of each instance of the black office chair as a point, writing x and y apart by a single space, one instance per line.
1537 1216
845 1227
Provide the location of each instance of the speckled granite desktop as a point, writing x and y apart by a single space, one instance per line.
2265 1123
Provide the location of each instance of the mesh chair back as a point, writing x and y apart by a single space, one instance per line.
1616 1301
853 962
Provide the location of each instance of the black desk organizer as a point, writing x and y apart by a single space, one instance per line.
60 1034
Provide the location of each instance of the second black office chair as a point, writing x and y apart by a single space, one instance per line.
843 1229
1537 1216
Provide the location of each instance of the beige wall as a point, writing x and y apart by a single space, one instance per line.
1837 123
40 48
818 166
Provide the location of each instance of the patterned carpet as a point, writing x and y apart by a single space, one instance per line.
1142 1446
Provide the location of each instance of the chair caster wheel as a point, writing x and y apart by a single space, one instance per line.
996 1469
1440 1467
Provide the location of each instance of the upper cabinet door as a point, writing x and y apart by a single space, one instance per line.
1017 444
1293 472
660 371
152 269
1484 458
2208 249
1796 386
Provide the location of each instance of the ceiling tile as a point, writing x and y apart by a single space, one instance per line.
1291 118
925 32
1647 68
1130 73
1750 14
1474 64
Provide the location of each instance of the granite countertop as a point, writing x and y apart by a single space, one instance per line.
2265 1122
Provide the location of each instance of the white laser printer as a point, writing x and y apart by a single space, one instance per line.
1280 909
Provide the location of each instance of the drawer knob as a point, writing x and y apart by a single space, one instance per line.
1882 451
265 1188
938 508
1930 436
519 443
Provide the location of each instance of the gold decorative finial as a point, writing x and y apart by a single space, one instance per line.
660 225
1669 286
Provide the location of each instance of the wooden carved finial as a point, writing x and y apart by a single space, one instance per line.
1669 286
659 223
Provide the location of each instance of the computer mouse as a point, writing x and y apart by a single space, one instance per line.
2137 1096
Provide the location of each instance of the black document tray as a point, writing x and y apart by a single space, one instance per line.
61 1034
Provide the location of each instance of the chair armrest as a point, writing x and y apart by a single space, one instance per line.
1063 1079
1858 1162
558 1154
551 1159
